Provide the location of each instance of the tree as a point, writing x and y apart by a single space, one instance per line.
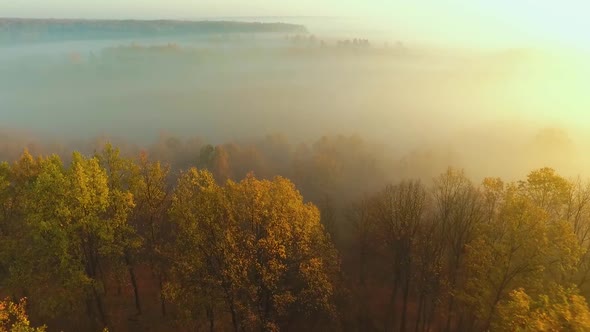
509 252
254 245
201 248
123 180
13 317
149 218
561 309
459 210
328 217
399 215
44 265
549 191
217 161
92 230
290 259
72 224
578 215
521 246
429 279
363 249
220 166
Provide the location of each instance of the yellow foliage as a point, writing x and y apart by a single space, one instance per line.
253 243
563 309
13 317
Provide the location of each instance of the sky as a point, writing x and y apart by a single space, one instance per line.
489 22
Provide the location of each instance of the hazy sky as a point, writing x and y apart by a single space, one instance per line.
489 22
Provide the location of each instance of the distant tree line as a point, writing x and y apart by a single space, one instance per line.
353 43
312 40
51 30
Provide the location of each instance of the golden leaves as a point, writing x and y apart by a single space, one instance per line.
258 238
561 309
13 317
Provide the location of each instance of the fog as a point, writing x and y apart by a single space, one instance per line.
492 112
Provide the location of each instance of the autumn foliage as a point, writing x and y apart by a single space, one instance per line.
109 241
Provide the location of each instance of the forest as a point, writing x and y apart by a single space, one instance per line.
303 177
265 237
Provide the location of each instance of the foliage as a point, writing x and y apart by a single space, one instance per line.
13 317
238 252
562 309
252 246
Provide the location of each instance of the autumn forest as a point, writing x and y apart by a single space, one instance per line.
319 174
127 242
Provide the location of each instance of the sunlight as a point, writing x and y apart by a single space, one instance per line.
555 23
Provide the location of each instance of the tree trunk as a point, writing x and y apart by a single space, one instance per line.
450 313
431 315
406 294
234 317
211 318
133 282
392 321
453 285
100 307
162 298
419 312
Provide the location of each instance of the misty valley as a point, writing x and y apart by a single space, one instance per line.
254 175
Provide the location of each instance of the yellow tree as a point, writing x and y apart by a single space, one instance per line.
152 200
578 215
521 246
200 281
547 190
566 204
288 257
557 309
256 246
93 235
122 180
13 317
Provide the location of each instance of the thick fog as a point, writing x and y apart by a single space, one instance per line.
493 112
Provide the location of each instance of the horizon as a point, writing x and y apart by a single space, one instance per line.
459 23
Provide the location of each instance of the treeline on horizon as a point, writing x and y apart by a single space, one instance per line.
191 236
17 30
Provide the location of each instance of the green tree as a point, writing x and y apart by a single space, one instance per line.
70 233
44 266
